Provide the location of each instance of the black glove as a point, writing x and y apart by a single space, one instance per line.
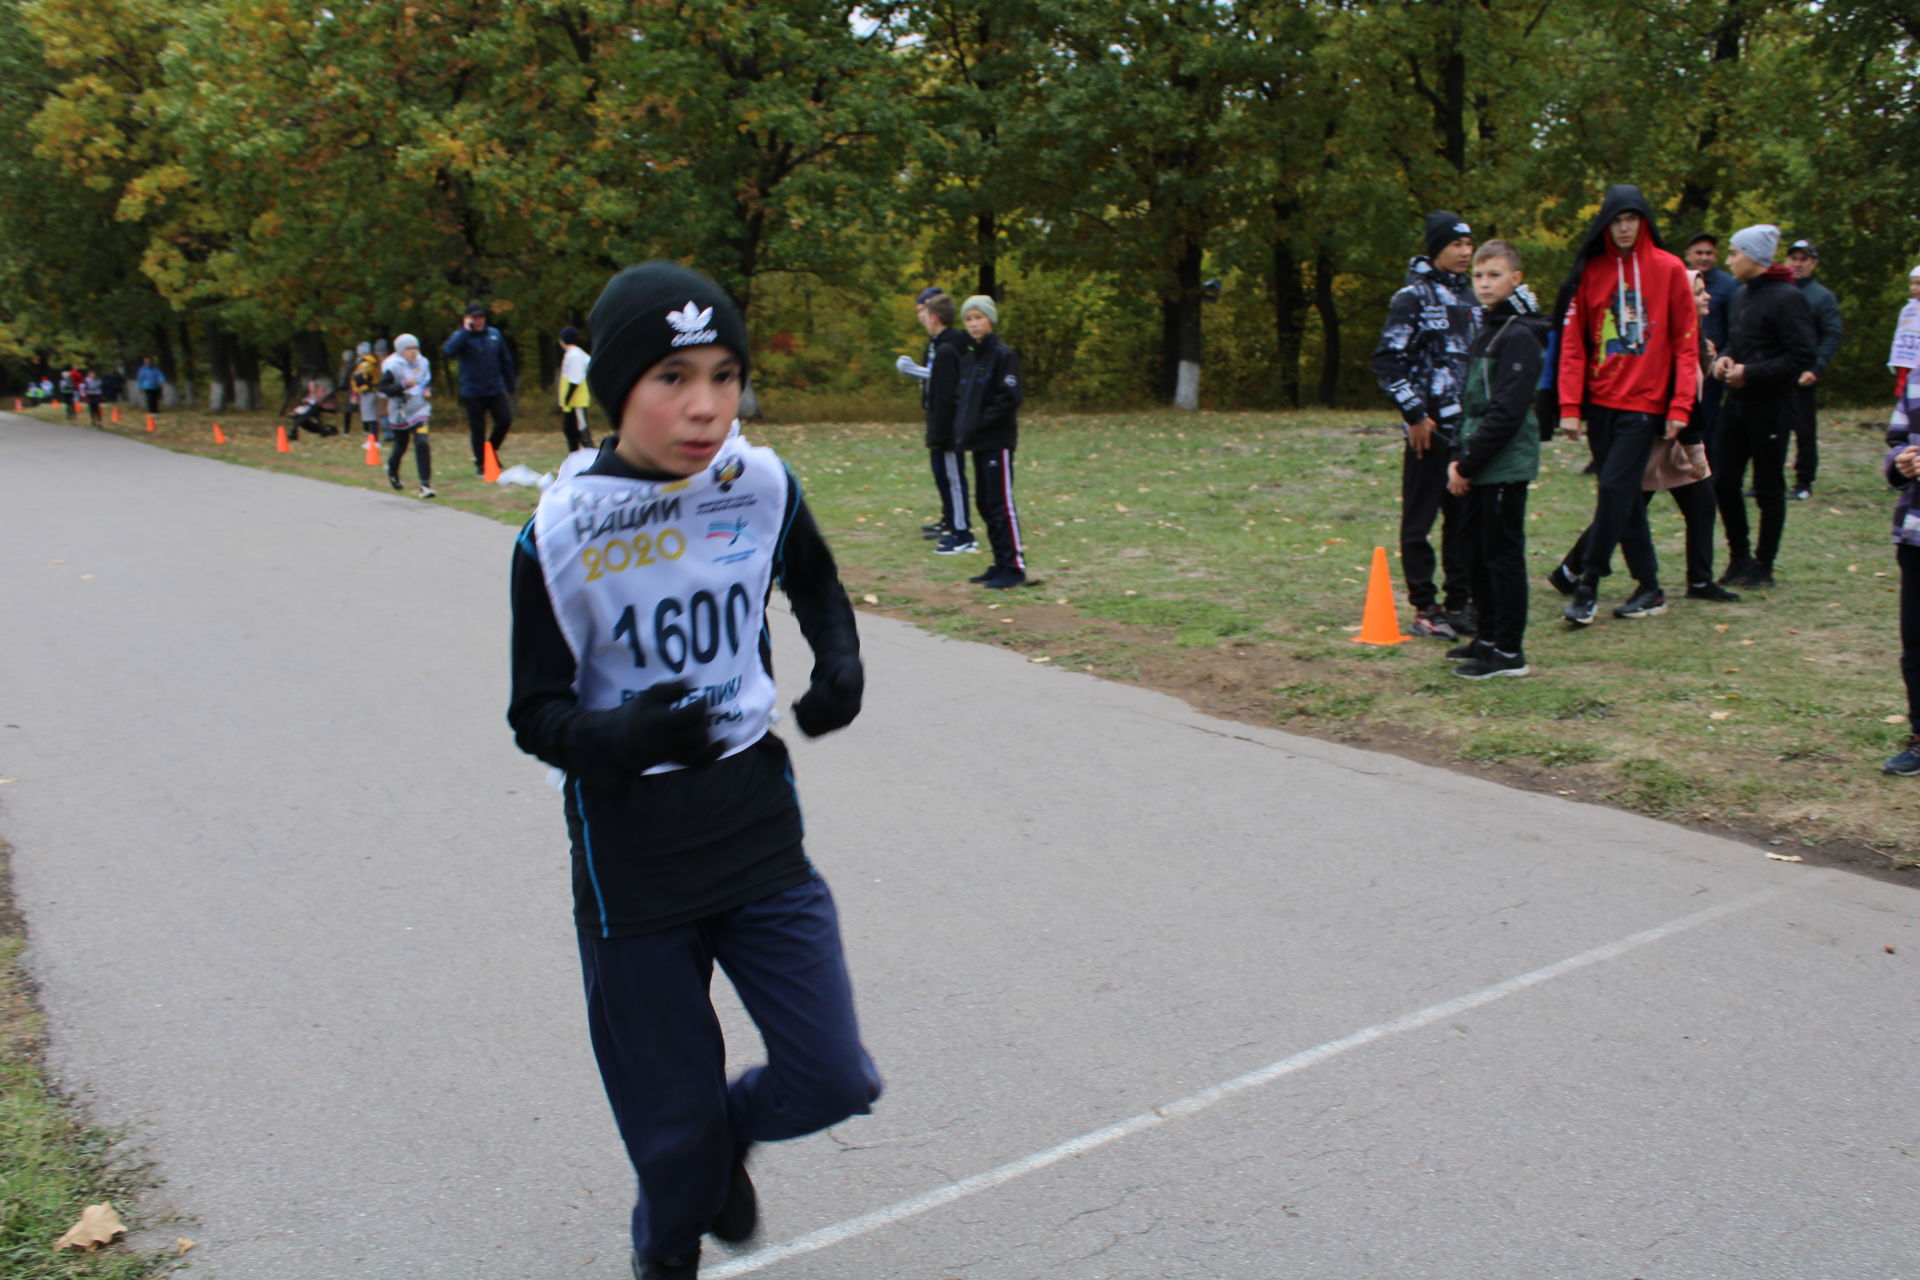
833 699
651 730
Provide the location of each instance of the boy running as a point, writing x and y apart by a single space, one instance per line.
641 671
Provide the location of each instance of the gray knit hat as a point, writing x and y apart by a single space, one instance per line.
983 304
1757 242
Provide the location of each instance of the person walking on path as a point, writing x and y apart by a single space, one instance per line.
572 392
1902 469
149 379
1629 368
1420 363
1804 259
640 672
1771 344
406 380
1906 336
488 382
363 385
92 388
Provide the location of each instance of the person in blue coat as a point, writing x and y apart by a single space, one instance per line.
488 381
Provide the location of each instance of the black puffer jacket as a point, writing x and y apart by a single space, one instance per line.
1421 361
987 403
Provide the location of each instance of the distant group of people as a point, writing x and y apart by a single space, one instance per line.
1679 376
970 391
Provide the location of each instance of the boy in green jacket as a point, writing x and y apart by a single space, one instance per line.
1497 457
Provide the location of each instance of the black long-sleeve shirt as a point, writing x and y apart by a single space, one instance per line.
654 850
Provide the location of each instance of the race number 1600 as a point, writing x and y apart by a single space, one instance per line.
695 628
622 554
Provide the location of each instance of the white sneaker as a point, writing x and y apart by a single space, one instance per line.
427 493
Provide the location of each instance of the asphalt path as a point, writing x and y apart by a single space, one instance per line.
1157 996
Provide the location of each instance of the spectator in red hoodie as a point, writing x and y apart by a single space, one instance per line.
1629 370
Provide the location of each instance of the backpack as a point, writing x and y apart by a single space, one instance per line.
366 375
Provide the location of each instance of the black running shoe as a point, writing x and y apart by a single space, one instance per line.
1465 622
1712 591
937 530
684 1266
1494 663
1562 580
739 1215
1647 601
1737 570
1463 652
1585 602
1759 577
1003 578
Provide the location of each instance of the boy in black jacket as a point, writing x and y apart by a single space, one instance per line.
940 381
1770 343
641 671
986 424
1497 457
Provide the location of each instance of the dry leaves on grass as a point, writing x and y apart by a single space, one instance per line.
98 1225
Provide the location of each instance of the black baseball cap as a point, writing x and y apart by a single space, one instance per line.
1803 246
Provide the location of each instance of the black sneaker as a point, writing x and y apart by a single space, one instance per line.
1471 649
1494 663
1465 622
1433 625
938 529
1801 494
1712 591
1759 577
684 1266
982 577
1737 569
1585 602
1562 580
739 1215
1648 601
1003 578
1907 763
954 544
393 480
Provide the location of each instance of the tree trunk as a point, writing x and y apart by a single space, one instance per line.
219 367
1324 269
987 239
1289 300
189 367
1696 193
1181 339
163 350
281 358
246 375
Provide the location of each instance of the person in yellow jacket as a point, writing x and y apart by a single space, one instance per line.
573 390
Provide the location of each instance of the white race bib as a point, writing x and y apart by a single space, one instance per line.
658 580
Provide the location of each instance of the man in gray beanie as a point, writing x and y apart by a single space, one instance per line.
1770 343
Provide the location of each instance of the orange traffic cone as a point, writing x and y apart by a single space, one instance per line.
1380 624
219 436
373 451
17 406
280 444
116 413
150 424
491 471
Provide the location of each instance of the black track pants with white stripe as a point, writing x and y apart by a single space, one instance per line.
950 479
993 494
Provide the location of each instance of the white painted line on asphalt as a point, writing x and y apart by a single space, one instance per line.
826 1237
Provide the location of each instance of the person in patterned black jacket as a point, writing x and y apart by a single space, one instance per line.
1421 363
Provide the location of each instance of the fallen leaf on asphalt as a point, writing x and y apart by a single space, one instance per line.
98 1225
1786 857
1042 658
182 1244
1889 948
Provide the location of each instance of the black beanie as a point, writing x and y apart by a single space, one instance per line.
1443 228
646 313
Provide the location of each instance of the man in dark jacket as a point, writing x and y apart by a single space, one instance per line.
1421 362
939 387
1803 259
1771 343
1703 255
487 381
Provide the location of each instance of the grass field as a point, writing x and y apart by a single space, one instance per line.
1224 557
